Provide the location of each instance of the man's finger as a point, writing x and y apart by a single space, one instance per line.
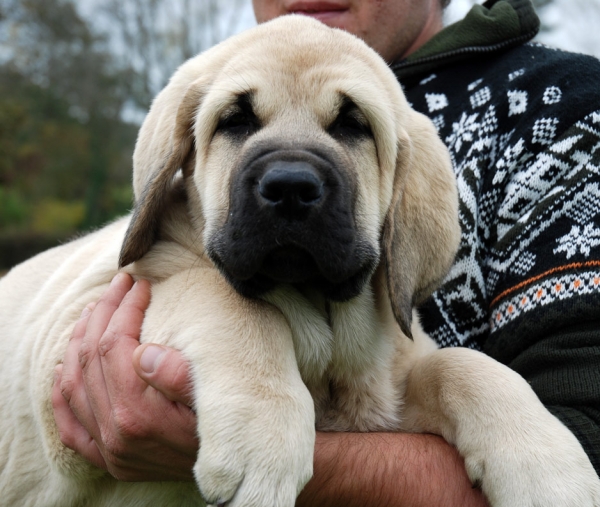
127 319
81 325
89 359
71 387
102 314
165 369
120 340
72 433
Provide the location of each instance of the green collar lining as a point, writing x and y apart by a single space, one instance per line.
496 25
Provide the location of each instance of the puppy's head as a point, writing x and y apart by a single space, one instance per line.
303 164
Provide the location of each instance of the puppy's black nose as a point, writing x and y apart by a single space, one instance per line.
291 186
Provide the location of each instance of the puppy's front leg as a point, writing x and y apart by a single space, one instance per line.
255 416
520 454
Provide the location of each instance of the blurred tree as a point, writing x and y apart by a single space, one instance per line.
67 83
62 139
154 37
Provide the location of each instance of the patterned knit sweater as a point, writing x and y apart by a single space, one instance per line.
522 123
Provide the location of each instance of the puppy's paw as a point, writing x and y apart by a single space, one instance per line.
253 485
255 457
544 467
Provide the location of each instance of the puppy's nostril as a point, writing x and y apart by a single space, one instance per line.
291 184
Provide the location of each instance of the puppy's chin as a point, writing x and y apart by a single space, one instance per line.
294 266
289 265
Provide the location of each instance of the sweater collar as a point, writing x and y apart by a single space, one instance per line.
495 26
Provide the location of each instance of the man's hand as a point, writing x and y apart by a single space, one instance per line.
133 421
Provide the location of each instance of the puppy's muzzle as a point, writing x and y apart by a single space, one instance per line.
291 220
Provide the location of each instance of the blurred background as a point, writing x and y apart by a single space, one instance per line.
77 76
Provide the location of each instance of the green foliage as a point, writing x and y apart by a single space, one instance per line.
13 209
46 153
120 200
65 152
58 217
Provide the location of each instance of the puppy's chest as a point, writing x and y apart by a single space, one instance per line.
345 355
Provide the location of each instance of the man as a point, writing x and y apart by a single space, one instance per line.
522 124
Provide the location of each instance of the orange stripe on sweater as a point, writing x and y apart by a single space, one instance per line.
558 269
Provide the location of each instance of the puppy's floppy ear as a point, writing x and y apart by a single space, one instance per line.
164 144
421 232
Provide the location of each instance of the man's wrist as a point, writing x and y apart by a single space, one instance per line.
388 470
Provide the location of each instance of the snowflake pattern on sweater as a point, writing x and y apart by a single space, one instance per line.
524 139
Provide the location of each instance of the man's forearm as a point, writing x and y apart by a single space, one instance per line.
388 469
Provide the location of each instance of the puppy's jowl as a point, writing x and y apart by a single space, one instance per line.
291 209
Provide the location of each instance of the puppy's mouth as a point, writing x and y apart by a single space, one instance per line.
289 264
254 272
254 269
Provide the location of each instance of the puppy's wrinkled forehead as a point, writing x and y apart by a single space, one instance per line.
302 77
296 72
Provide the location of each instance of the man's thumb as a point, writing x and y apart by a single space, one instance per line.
166 370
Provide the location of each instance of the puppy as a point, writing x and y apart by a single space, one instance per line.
291 210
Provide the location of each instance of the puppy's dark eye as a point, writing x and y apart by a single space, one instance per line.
350 123
238 124
349 126
239 121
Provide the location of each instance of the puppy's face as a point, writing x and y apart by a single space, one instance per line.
295 173
297 146
294 205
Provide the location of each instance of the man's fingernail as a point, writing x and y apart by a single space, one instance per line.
117 278
87 310
151 358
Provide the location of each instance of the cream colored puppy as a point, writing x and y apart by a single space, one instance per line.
290 210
